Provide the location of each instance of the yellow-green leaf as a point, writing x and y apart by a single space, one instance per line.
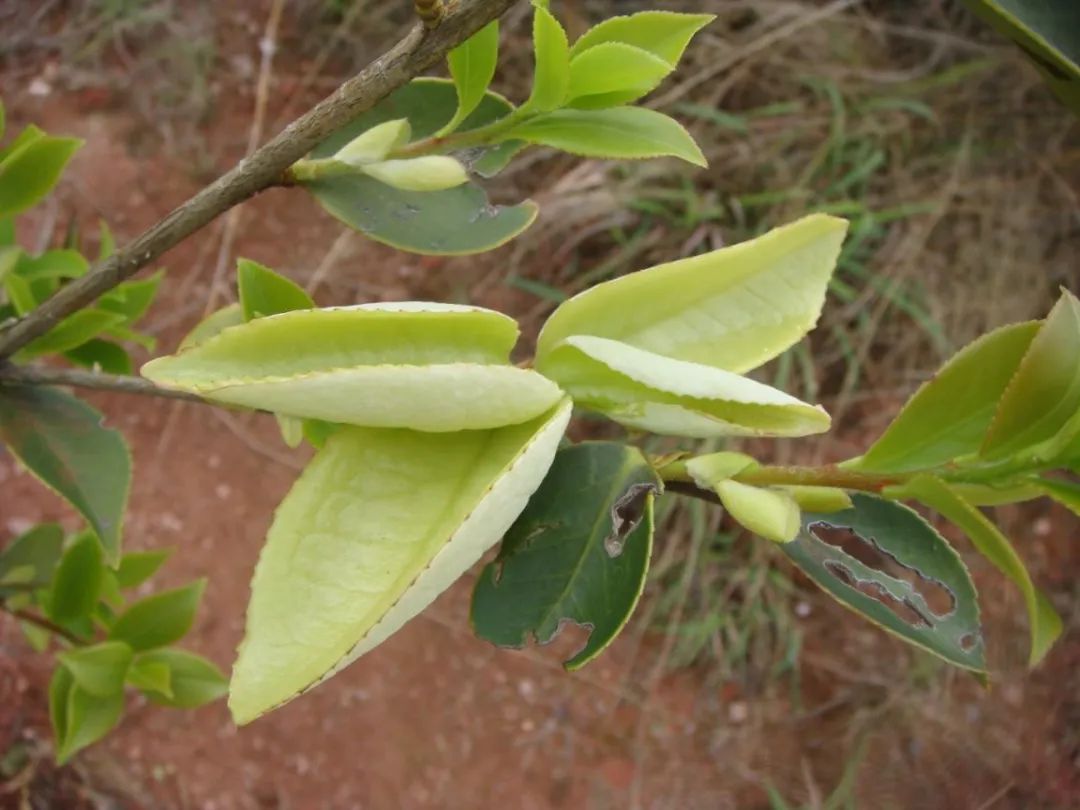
551 49
662 33
613 73
472 67
772 514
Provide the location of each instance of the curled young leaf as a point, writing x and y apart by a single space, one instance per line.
427 173
376 143
378 525
579 552
709 470
647 391
435 367
769 513
733 308
214 323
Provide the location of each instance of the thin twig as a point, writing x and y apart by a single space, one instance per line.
45 375
42 622
418 50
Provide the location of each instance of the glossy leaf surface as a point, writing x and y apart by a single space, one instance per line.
551 77
579 552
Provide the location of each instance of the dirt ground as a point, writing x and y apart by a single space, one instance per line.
436 718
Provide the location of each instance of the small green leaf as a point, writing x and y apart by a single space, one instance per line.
427 173
264 292
819 499
379 524
29 172
1064 492
60 686
733 308
621 132
106 241
292 429
612 74
551 78
132 298
52 265
579 552
709 470
76 585
1044 393
35 553
61 440
99 669
376 143
995 546
908 548
103 355
29 134
647 391
193 681
88 719
159 620
662 33
151 677
419 365
212 325
136 567
949 415
472 67
72 332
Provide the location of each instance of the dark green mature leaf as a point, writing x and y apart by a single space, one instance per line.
579 552
62 442
28 172
103 355
264 292
193 681
472 67
159 620
138 566
99 669
621 132
912 549
132 298
1043 395
1048 31
150 677
77 584
995 547
31 557
949 415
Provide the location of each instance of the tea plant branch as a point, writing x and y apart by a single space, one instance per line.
266 167
45 375
40 621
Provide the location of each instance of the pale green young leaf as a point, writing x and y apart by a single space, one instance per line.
291 428
1044 393
769 513
216 322
72 332
709 470
61 440
376 143
159 620
88 718
34 553
424 366
264 292
472 67
1064 492
629 133
551 49
99 669
998 494
579 552
896 535
29 172
612 74
647 391
425 174
52 265
733 308
822 500
152 678
994 546
76 584
19 294
664 34
106 241
136 567
949 415
378 525
193 681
